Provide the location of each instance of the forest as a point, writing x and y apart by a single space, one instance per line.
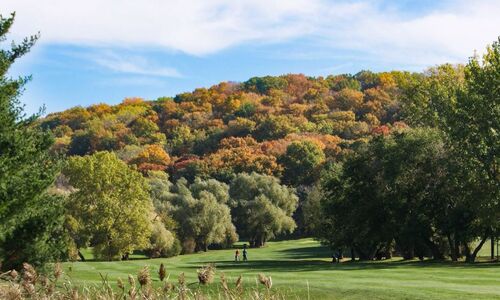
376 164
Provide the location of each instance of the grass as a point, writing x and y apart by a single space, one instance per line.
302 270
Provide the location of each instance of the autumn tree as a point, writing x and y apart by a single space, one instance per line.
262 207
152 157
110 206
348 99
238 155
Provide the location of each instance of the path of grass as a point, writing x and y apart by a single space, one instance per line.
295 265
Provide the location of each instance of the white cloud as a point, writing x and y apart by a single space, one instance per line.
200 27
131 64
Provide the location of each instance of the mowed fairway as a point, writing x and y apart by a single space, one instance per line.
302 269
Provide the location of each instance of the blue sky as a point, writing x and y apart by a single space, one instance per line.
103 51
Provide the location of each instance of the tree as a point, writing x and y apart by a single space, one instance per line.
274 127
264 84
30 222
301 162
348 99
110 206
394 188
238 155
153 157
163 239
262 207
312 211
463 102
162 242
203 216
473 125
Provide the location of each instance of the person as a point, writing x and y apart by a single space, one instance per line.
237 255
245 252
339 255
334 258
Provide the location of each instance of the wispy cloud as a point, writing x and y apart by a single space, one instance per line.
372 28
131 64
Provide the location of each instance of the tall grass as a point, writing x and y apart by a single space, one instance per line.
55 285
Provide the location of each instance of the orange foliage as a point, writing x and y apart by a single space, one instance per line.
383 130
153 157
133 101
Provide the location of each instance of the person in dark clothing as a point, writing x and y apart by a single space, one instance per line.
245 252
339 255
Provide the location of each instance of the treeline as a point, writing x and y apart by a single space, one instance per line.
377 163
429 191
117 210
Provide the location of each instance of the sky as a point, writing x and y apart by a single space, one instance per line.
97 51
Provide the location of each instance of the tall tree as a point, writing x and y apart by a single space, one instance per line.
473 125
203 216
464 102
111 206
394 188
262 207
30 223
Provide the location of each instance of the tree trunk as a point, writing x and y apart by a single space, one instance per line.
492 247
365 255
353 255
471 257
80 255
259 242
453 248
409 253
436 252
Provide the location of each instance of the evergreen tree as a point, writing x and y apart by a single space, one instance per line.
30 218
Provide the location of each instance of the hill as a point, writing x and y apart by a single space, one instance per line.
236 127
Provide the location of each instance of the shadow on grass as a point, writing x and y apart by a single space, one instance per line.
321 265
308 252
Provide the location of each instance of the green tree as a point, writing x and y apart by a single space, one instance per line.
262 207
312 211
264 84
203 216
30 222
274 127
473 125
162 242
111 205
394 188
464 103
302 162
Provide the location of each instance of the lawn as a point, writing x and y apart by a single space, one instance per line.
302 269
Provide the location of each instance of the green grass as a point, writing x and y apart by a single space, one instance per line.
301 265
